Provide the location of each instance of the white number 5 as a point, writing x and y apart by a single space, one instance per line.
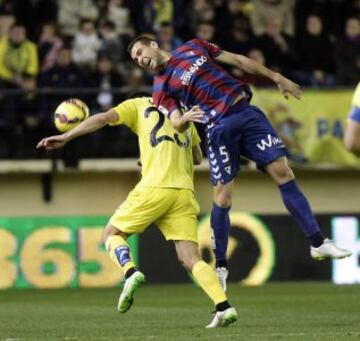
224 153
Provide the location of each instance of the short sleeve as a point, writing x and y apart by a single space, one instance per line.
195 138
127 114
211 48
165 103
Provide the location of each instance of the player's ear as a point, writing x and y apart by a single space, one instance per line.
154 44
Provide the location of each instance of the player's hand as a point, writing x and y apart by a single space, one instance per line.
286 87
195 114
52 142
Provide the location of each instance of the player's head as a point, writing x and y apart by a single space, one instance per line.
145 52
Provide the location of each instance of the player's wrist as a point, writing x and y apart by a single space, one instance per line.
185 120
66 137
182 124
276 77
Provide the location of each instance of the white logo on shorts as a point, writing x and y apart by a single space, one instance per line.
271 141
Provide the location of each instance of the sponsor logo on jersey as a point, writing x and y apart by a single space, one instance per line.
187 75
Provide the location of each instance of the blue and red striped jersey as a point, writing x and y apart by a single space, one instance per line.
193 77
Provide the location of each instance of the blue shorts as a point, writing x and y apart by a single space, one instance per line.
355 114
243 130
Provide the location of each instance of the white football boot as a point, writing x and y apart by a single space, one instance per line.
223 318
329 250
222 275
131 284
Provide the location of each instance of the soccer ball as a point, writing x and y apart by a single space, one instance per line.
70 113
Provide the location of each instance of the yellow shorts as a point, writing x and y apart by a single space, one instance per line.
174 211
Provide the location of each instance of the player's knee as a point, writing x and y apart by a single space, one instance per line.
189 263
223 198
280 172
109 231
222 194
285 174
184 261
352 145
188 259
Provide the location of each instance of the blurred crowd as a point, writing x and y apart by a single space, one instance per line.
79 45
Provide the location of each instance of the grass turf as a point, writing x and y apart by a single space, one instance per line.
285 311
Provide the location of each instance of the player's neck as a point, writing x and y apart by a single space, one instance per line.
165 57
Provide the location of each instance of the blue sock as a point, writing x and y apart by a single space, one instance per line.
299 208
220 223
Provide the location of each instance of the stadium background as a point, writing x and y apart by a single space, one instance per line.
54 205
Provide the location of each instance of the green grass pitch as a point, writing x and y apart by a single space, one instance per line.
276 311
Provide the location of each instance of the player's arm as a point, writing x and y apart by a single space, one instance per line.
90 125
181 121
197 155
286 86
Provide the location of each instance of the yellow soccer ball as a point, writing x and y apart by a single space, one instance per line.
70 113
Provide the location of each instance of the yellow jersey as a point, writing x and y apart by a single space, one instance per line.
356 97
165 154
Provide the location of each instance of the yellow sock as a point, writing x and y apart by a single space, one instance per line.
206 277
119 252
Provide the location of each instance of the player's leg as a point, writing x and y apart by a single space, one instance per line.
180 225
352 130
142 207
189 256
220 224
294 200
223 149
262 145
119 251
299 207
352 135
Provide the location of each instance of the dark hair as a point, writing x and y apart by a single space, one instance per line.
145 39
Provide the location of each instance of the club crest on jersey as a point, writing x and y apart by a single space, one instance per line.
187 75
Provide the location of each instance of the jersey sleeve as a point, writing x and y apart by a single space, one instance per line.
164 102
127 114
195 138
211 48
356 97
